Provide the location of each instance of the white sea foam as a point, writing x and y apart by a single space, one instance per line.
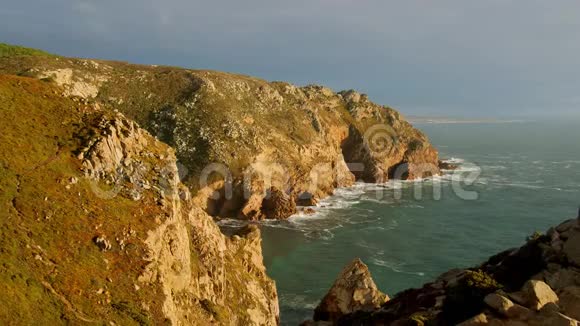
454 160
566 162
297 302
347 197
395 267
494 167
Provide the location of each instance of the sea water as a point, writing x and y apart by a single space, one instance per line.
514 179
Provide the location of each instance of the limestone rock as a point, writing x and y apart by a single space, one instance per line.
196 266
535 294
353 290
102 243
506 307
499 303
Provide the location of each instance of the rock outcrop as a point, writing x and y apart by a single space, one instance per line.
96 226
226 274
537 284
353 290
239 139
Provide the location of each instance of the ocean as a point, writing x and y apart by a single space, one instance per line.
514 179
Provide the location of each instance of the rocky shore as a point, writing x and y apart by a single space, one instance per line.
112 174
536 284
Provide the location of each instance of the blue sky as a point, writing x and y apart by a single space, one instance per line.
453 58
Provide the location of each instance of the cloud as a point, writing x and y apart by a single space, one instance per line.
452 55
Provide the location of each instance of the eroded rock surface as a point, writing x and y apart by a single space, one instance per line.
353 290
197 266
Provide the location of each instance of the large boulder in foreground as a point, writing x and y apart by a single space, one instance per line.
354 290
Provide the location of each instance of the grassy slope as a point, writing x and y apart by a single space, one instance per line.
50 269
8 50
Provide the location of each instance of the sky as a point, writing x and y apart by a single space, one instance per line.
460 58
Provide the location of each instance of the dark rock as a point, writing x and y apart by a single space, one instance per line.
306 199
278 205
102 243
448 166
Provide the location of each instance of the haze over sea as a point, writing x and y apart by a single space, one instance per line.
528 181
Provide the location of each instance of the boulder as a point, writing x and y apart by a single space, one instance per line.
278 205
498 303
572 246
563 278
306 199
567 225
354 290
443 165
570 302
506 307
549 317
535 295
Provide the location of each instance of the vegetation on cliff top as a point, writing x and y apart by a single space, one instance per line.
51 270
8 50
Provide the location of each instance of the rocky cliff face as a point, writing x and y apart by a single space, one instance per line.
111 175
96 226
248 148
537 284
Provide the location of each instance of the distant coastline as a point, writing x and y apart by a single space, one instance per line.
451 120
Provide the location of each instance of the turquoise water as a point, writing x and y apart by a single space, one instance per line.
529 181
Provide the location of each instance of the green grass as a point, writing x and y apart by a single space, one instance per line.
50 269
8 50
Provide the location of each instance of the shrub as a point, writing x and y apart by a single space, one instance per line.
535 236
465 300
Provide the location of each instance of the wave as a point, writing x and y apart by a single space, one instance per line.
566 162
349 197
298 302
454 160
494 167
395 267
324 234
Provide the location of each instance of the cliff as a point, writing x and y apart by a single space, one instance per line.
112 174
96 227
247 148
536 284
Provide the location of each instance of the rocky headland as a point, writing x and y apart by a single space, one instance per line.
246 148
112 176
